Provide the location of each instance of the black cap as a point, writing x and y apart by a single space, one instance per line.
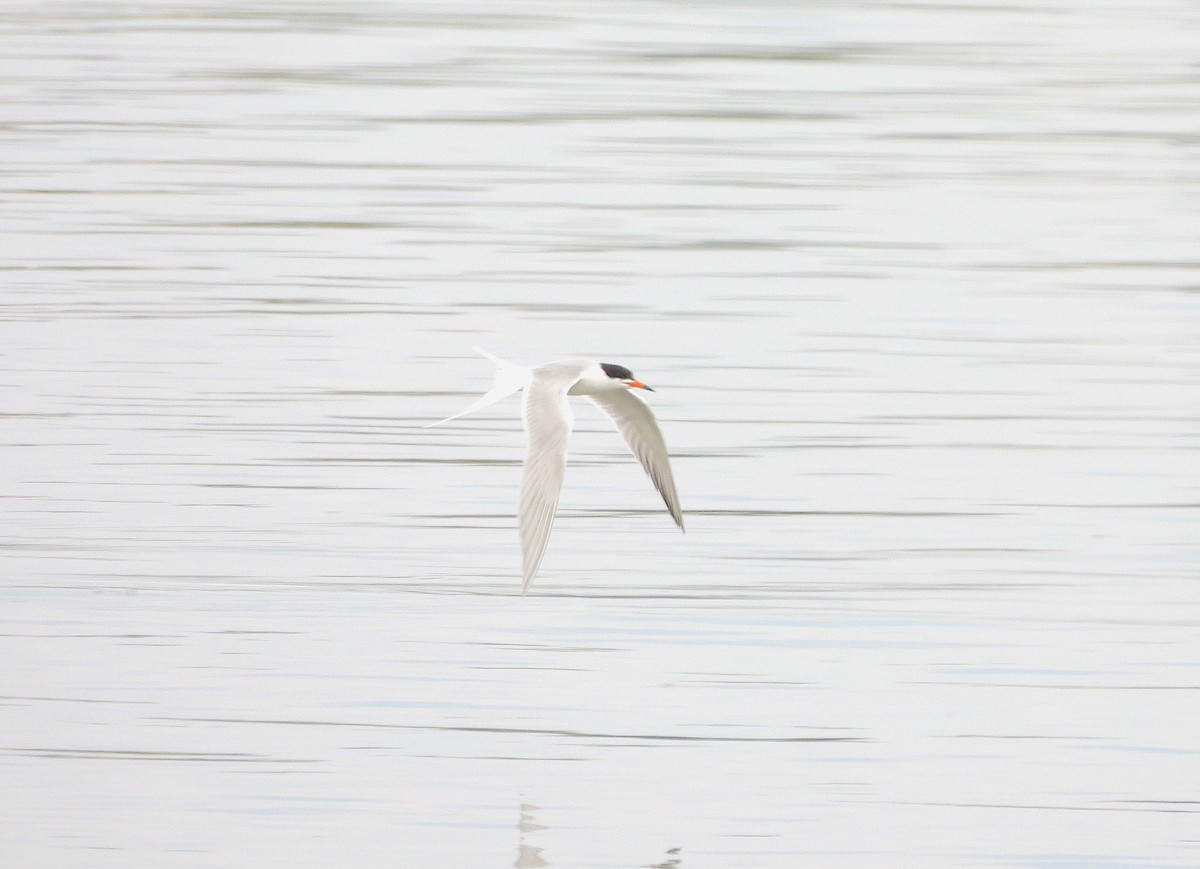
617 372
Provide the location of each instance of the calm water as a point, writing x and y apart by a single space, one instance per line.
919 287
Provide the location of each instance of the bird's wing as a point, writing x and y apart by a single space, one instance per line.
637 426
548 422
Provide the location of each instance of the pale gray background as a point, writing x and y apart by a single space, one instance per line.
917 284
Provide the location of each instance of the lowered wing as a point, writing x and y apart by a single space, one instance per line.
548 421
635 421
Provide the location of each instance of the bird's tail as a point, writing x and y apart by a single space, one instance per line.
509 379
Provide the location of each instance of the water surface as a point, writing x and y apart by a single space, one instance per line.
917 287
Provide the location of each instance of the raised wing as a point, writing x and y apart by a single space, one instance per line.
637 426
548 422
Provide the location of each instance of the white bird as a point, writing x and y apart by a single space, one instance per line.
548 421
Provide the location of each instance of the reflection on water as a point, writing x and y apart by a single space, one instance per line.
531 857
528 857
916 284
672 861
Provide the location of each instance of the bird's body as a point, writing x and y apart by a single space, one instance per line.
548 421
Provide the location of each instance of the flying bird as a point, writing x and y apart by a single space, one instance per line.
548 421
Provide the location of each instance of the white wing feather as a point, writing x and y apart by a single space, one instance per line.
635 421
548 421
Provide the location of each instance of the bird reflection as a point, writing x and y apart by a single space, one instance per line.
528 857
673 860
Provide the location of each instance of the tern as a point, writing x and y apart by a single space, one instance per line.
548 421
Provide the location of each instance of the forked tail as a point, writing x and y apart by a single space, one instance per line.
509 379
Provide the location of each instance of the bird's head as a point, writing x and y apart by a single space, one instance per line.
624 375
